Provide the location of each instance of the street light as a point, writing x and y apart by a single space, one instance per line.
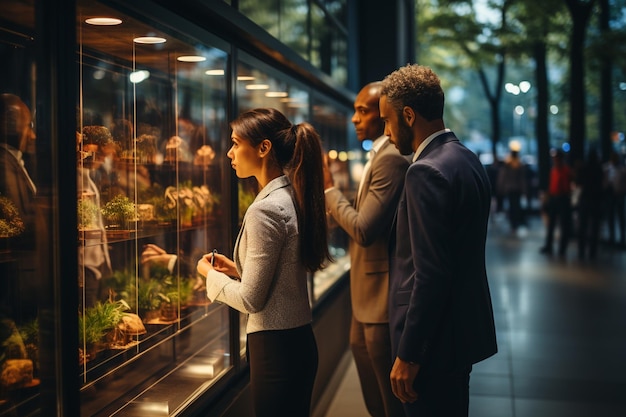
516 89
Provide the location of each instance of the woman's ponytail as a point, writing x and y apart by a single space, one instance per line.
306 174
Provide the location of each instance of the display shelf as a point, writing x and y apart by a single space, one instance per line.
155 359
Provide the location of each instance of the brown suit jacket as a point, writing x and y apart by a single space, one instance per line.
368 223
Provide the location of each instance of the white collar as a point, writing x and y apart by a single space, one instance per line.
15 152
427 141
379 142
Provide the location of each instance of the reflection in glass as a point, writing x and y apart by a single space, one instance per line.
152 191
317 31
24 199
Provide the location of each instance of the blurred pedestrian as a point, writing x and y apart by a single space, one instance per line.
511 184
559 204
589 178
615 192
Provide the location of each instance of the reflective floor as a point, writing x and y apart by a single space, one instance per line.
561 326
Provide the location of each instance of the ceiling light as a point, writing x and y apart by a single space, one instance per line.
276 94
245 78
215 72
139 76
149 40
257 87
191 58
103 21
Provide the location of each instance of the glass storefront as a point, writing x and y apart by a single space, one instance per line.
151 190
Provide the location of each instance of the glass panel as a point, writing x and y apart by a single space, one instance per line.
265 13
293 26
24 191
334 124
323 42
329 46
153 198
338 9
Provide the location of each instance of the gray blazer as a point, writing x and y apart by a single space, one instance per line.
368 223
273 286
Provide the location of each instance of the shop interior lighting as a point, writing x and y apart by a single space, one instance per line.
103 21
257 87
149 40
245 78
276 94
215 72
191 58
296 105
138 76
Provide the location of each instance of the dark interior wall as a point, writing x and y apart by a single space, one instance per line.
385 33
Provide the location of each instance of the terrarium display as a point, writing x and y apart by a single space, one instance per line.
119 212
11 223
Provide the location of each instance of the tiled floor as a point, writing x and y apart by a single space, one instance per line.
561 327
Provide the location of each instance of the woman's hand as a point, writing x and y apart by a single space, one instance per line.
219 263
154 255
204 265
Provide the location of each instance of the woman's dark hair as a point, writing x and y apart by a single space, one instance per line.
297 149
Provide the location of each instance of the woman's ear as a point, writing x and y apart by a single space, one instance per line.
264 147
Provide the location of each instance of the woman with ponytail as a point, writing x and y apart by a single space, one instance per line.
282 237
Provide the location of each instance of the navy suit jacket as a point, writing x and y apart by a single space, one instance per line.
440 308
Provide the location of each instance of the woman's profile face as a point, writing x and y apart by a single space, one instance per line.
245 159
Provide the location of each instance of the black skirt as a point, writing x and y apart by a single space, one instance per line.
283 365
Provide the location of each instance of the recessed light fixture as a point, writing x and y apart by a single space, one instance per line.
257 87
276 94
215 72
191 58
103 21
138 76
245 78
149 40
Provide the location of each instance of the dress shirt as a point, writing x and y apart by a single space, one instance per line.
378 142
18 156
427 141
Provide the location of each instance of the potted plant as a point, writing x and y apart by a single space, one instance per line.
30 335
119 212
87 214
10 222
149 299
95 323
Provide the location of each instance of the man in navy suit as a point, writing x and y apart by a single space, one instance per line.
440 312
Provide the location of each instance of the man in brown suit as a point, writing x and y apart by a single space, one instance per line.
368 223
16 136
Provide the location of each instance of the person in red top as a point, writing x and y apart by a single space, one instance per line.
559 207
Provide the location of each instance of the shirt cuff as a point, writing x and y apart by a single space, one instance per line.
172 263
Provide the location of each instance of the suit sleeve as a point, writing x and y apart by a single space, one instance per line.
373 217
428 196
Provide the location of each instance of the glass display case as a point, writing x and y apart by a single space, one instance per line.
151 192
